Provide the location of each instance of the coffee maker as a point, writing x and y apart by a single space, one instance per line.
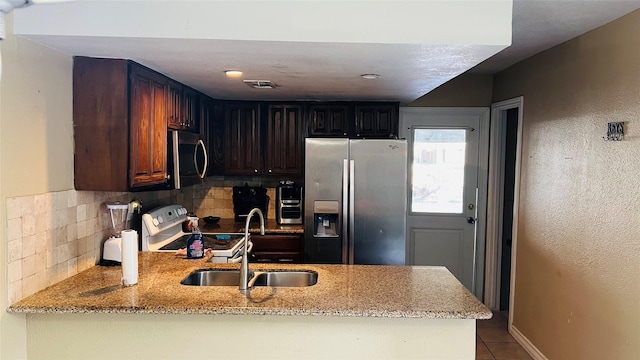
289 203
248 197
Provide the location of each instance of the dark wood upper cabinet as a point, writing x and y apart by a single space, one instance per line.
253 146
182 107
174 105
100 124
120 125
376 121
148 128
354 120
122 112
190 113
212 129
285 140
329 120
242 143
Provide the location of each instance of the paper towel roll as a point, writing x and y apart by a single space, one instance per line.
129 257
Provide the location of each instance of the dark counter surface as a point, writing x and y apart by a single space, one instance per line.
232 226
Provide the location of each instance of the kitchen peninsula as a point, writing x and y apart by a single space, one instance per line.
352 312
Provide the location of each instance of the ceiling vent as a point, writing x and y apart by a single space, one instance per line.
260 84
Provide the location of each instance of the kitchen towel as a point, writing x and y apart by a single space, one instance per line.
129 257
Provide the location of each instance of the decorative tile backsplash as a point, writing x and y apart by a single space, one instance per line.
55 235
215 196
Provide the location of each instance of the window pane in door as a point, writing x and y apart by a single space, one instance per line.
437 181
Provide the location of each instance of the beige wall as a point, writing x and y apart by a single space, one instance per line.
48 231
577 287
36 154
464 90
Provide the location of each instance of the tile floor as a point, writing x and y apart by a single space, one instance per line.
494 341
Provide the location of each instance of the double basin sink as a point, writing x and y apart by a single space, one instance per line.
231 277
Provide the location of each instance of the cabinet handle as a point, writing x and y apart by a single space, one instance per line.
255 170
270 170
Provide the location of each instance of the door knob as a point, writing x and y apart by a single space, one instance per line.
471 220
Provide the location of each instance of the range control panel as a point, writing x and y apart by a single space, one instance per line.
163 217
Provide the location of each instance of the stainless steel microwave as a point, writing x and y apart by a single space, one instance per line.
189 157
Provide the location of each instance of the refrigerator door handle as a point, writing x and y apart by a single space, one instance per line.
352 198
345 210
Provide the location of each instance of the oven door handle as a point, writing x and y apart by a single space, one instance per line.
238 259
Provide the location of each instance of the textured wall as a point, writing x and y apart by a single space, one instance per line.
35 133
577 289
464 90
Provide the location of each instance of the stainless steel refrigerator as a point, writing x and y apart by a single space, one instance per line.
355 201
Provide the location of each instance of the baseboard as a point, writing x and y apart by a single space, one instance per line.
526 344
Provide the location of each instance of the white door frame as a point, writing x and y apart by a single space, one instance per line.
483 170
495 202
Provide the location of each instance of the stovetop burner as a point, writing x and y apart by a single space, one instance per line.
210 242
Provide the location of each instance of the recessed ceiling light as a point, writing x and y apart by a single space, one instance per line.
370 76
233 73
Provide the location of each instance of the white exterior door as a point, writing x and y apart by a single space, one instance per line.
446 194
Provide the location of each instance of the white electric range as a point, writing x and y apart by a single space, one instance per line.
162 232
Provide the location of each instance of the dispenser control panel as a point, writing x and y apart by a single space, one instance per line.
326 218
329 207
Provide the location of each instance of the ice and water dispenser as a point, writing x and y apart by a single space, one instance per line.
326 218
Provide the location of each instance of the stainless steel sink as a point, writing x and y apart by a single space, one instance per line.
278 278
211 277
286 278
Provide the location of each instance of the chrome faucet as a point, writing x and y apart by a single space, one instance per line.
244 266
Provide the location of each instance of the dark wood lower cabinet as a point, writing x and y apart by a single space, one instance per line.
277 249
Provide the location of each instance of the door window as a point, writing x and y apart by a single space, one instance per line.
437 170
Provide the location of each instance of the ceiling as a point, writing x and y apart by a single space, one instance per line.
539 25
413 55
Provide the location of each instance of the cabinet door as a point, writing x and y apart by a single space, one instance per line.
328 120
190 118
277 248
212 125
148 129
285 140
174 105
242 153
101 124
377 121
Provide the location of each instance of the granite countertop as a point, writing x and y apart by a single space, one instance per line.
341 290
232 226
